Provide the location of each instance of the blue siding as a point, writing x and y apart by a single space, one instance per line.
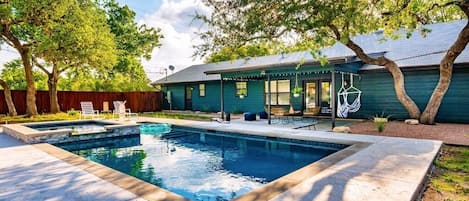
379 95
211 101
253 102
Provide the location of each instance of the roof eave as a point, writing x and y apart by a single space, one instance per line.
336 60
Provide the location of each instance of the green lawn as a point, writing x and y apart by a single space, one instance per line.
199 117
450 180
75 116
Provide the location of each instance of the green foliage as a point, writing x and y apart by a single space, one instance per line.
133 42
73 112
89 81
452 178
314 24
297 90
203 117
380 121
13 74
38 118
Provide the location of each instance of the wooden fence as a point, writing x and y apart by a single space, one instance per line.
136 101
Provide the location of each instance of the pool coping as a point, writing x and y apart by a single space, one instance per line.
26 134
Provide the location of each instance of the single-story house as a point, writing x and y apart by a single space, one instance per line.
242 85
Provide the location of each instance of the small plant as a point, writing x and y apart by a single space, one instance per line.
242 93
380 121
297 91
72 112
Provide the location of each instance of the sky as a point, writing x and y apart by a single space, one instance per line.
174 18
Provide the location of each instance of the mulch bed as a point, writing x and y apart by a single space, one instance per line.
456 134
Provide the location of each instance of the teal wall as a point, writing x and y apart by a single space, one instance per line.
379 96
211 101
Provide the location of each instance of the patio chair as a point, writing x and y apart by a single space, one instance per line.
87 110
106 107
119 109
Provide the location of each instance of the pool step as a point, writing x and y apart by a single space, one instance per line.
177 134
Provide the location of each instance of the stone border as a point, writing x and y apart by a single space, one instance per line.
136 186
30 135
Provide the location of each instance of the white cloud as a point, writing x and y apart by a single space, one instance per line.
7 54
174 18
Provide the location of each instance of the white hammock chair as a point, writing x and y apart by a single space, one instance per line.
343 107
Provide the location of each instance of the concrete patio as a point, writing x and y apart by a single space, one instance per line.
386 169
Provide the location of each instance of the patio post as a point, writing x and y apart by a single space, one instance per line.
333 95
222 105
269 100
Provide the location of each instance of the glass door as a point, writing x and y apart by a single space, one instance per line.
326 97
311 100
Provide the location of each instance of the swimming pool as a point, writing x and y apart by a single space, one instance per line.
206 165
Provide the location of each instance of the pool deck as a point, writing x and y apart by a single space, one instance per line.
385 169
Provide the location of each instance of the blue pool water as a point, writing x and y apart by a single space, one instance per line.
203 165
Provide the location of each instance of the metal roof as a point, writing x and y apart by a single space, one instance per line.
407 52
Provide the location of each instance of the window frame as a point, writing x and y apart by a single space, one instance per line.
237 88
200 90
275 92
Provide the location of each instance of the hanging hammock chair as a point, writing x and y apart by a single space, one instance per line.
343 107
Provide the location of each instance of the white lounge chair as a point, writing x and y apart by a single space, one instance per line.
87 110
119 109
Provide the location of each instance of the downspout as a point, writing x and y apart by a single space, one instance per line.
333 95
222 105
269 98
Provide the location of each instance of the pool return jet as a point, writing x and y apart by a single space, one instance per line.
343 107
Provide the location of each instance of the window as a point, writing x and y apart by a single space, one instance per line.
279 92
241 88
201 89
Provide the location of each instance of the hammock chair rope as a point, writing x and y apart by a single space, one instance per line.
343 106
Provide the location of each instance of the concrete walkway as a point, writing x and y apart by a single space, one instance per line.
27 173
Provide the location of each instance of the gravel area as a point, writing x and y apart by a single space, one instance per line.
457 134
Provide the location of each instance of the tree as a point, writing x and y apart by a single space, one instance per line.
19 21
80 39
8 99
133 42
234 23
13 74
261 48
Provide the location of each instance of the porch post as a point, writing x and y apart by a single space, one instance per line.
333 105
269 100
222 103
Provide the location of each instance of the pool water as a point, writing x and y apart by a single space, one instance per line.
206 166
78 127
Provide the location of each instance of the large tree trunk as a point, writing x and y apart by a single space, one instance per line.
397 75
446 72
8 99
25 53
31 108
52 84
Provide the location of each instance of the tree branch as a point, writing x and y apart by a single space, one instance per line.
40 66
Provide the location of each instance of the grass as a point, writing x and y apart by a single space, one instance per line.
199 117
38 118
451 177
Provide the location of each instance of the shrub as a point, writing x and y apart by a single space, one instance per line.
72 112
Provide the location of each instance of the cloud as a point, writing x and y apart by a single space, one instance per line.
7 54
175 19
